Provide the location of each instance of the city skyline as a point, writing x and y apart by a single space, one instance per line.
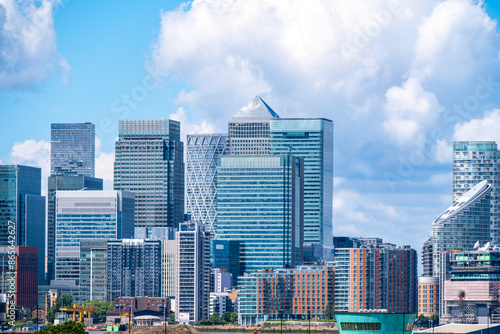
396 113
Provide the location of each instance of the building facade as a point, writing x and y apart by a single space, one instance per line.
260 204
142 303
20 278
225 254
134 267
97 215
93 269
202 152
296 293
56 183
473 162
169 268
463 224
248 131
149 162
193 273
311 140
428 295
72 149
22 210
376 278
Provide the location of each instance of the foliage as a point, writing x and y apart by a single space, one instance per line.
226 316
213 320
423 321
19 323
329 312
172 317
102 307
63 299
69 327
233 317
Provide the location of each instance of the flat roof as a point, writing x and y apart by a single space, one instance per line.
458 328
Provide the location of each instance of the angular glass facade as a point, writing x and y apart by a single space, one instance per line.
225 254
88 215
312 140
72 149
21 203
62 182
149 162
475 161
260 204
93 269
463 224
202 153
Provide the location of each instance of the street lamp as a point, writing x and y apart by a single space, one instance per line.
165 316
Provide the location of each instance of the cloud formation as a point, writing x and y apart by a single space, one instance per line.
28 46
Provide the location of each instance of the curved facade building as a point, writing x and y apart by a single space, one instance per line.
462 224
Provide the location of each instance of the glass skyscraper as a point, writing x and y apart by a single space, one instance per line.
248 131
149 162
93 269
463 224
260 204
80 215
312 140
72 149
202 152
475 161
21 203
56 183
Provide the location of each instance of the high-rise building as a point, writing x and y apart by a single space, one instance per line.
286 293
225 254
475 161
312 140
427 258
376 278
202 152
93 269
134 267
22 210
20 278
149 162
98 215
260 204
72 149
193 273
463 224
248 131
56 183
169 268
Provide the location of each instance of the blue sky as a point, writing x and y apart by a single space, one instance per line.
399 78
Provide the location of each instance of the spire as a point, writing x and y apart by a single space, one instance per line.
256 108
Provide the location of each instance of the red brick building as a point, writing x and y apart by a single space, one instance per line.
142 303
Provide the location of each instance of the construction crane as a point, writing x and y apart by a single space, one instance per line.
82 310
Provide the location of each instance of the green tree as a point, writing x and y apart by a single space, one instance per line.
216 320
329 312
102 308
69 327
226 316
422 320
61 301
233 317
172 317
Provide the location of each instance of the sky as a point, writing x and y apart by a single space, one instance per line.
401 79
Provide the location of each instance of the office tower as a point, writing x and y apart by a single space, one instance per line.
463 224
286 293
56 183
428 295
193 273
155 233
471 291
312 140
169 268
149 162
225 254
202 152
260 204
22 205
248 131
19 279
72 149
427 258
93 269
98 215
376 278
134 267
475 161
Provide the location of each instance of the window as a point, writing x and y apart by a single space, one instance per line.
361 326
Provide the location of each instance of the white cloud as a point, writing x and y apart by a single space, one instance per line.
28 47
442 178
104 165
191 127
443 151
486 128
33 153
